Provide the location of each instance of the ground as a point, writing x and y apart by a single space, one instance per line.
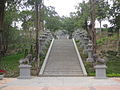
60 83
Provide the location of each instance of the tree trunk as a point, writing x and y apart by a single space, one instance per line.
92 2
118 43
87 29
2 8
40 17
37 31
100 27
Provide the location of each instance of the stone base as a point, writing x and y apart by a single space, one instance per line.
25 72
85 51
100 71
24 77
89 60
1 77
82 46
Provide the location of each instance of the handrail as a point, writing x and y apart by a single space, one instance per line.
80 59
46 58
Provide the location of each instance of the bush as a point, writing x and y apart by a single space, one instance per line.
89 67
101 41
114 75
113 53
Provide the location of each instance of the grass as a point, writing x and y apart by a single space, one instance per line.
113 65
10 64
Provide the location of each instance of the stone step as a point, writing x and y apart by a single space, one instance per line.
63 60
62 73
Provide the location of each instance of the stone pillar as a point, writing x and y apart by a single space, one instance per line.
80 34
41 44
49 35
46 39
85 44
82 41
100 71
77 37
89 49
25 72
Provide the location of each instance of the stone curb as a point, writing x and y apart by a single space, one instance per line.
80 59
46 58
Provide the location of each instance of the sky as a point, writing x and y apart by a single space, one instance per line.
64 7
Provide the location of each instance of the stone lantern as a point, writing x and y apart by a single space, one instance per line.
41 43
47 38
82 40
89 49
85 44
77 37
80 34
49 35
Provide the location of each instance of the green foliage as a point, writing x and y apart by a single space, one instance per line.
26 17
113 63
113 66
113 75
82 14
102 10
89 67
10 64
115 13
68 23
101 41
112 53
77 41
52 19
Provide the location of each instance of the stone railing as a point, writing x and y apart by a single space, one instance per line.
25 64
87 45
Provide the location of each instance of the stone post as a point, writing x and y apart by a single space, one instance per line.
100 71
85 44
82 41
25 72
77 37
49 35
41 44
80 34
89 49
47 38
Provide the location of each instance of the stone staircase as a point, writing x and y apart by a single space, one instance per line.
63 60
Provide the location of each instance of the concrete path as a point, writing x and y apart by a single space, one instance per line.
61 83
63 60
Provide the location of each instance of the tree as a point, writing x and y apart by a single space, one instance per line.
115 21
92 24
102 11
6 19
2 8
83 17
68 24
52 19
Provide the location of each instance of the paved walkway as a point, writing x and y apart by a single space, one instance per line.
61 83
63 60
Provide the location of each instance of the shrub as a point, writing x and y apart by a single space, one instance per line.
2 72
113 53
